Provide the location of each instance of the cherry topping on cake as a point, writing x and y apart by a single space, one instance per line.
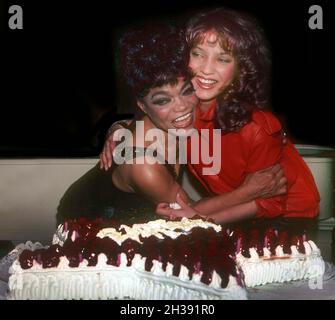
130 247
150 251
26 259
255 241
207 275
298 241
72 251
166 249
284 241
50 256
111 249
184 254
38 255
224 267
240 241
270 240
226 242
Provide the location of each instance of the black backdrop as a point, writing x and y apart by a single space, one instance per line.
59 90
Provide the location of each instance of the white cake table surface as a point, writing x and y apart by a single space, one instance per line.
296 290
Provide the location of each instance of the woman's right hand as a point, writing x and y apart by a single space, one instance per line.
266 183
106 155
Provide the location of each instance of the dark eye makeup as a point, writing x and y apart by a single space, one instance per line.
161 101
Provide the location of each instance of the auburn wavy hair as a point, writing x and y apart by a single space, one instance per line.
240 35
152 56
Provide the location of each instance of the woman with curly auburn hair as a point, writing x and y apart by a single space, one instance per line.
231 64
243 58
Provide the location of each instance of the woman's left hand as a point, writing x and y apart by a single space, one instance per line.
185 211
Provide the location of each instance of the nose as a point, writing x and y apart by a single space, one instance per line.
207 67
180 104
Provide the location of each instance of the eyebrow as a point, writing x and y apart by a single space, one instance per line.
197 47
221 53
187 83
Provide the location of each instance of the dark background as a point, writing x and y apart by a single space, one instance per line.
58 80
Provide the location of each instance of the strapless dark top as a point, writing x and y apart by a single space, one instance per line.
94 195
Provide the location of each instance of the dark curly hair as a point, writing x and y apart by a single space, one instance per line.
153 56
240 35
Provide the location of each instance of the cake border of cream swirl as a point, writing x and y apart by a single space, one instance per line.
110 282
279 268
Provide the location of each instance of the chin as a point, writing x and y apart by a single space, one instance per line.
206 96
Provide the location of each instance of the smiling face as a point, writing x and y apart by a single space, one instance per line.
214 68
171 106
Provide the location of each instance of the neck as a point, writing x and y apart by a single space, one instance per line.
204 105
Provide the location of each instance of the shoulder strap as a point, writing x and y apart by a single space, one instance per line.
130 153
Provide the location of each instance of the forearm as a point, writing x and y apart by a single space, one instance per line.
235 213
223 201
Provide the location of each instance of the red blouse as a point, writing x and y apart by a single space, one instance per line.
256 146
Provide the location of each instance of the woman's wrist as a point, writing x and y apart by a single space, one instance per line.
245 193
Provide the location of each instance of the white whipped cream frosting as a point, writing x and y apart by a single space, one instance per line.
110 282
281 267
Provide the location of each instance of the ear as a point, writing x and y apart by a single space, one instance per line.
140 104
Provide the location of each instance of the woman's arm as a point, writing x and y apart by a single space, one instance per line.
262 184
235 214
152 181
229 215
265 183
110 143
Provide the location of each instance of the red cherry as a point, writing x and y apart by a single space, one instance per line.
297 240
130 247
26 259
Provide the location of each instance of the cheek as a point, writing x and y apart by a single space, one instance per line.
192 101
159 115
227 73
193 64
